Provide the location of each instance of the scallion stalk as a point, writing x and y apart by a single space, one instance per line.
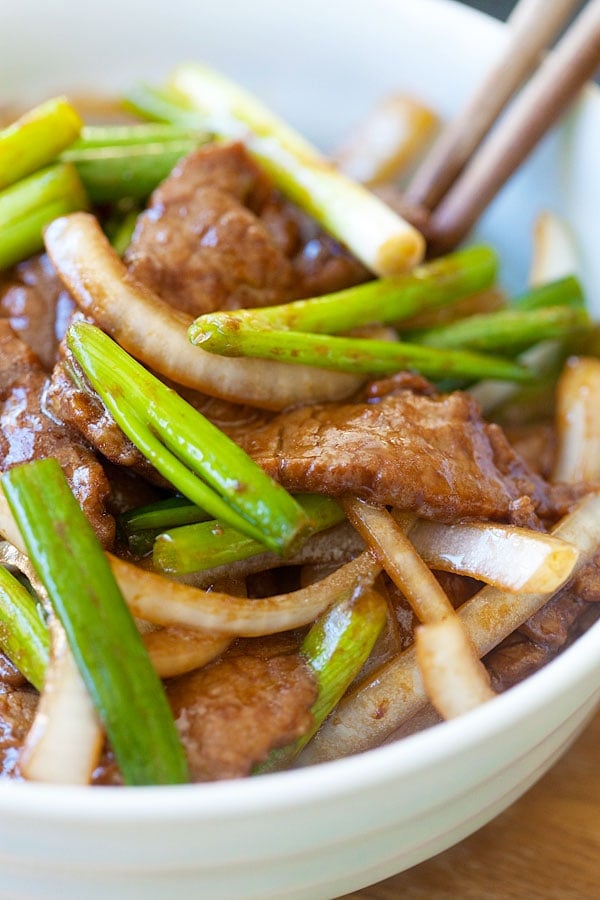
24 635
206 545
336 648
101 632
36 139
232 337
509 331
112 173
199 460
31 204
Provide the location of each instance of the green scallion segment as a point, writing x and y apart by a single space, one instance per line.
385 300
112 173
36 139
107 647
347 354
509 331
23 633
207 545
100 136
140 526
336 648
562 292
31 204
200 461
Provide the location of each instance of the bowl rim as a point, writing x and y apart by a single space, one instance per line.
324 781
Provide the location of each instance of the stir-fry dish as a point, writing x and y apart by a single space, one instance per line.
284 475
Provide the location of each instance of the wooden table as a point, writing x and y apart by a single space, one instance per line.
544 847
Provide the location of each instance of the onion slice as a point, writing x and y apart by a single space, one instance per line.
64 743
155 599
156 334
578 421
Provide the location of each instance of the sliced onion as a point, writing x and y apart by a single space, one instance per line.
163 602
454 677
156 334
578 421
64 743
175 651
511 558
388 141
555 253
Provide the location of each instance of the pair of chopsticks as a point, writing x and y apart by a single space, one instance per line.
472 160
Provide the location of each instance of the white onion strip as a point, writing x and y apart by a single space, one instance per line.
511 558
156 599
64 743
156 334
395 692
578 421
175 651
454 677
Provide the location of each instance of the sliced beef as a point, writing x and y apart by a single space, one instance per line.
216 236
17 709
37 306
28 433
233 712
433 455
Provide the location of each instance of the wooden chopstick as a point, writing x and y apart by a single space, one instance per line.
557 82
532 27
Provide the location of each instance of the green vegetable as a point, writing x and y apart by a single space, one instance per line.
199 460
31 204
508 331
36 139
336 648
206 545
104 640
230 336
23 633
386 300
111 173
140 526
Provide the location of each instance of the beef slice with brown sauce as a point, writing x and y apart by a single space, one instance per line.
17 709
37 306
231 713
217 236
27 432
433 455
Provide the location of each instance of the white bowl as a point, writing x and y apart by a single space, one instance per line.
323 831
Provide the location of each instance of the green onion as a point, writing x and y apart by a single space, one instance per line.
232 337
111 173
119 230
336 648
562 292
101 136
382 240
23 633
199 460
102 634
140 526
31 204
386 300
206 545
36 139
508 331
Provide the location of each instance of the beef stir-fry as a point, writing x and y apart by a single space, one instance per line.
270 482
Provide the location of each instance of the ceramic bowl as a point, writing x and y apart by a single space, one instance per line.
323 831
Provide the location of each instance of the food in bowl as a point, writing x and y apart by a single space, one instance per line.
258 662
